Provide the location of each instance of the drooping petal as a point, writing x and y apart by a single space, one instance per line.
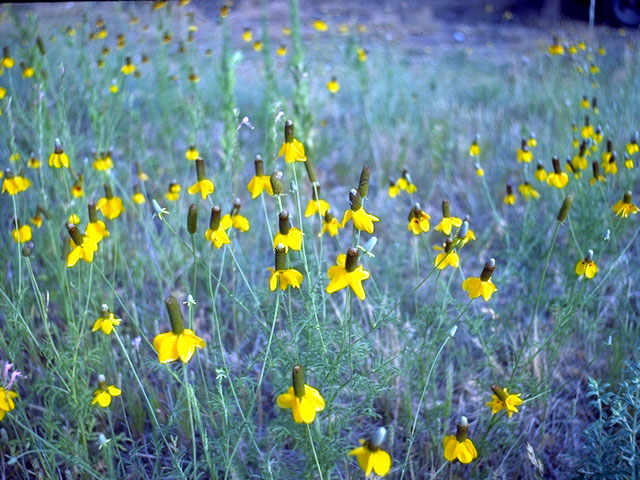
381 462
450 444
338 279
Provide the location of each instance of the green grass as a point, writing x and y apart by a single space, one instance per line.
386 361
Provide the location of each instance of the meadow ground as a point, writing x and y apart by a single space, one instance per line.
141 332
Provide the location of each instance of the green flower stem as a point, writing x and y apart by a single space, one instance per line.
313 450
188 393
422 395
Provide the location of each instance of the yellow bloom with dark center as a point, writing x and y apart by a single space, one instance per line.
173 193
481 286
371 457
237 221
524 154
579 161
289 236
6 401
474 149
103 394
138 198
628 163
158 4
110 205
509 198
593 69
347 273
106 322
113 88
610 166
632 147
7 61
303 400
224 10
28 72
281 275
3 92
418 220
258 184
596 174
333 86
361 219
203 186
316 205
584 103
292 149
446 257
217 231
320 26
587 266
82 246
103 162
281 51
329 224
247 35
33 162
394 190
192 153
556 49
128 68
36 220
14 184
458 446
503 400
362 54
623 208
180 343
58 158
447 222
257 46
527 191
557 178
22 234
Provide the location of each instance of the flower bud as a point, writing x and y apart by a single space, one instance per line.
175 315
463 230
281 257
355 199
488 269
27 249
284 223
41 48
214 221
363 186
351 263
259 166
276 182
192 219
297 376
452 331
564 209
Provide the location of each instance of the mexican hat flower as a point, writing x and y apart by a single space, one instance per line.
628 162
138 197
587 266
361 219
503 400
557 178
21 233
474 149
347 273
289 236
77 190
259 182
481 286
597 177
523 154
633 147
447 221
173 193
316 205
532 142
556 47
320 25
6 394
14 184
102 395
623 208
608 152
103 162
330 224
587 130
393 190
333 86
579 161
509 198
106 322
405 183
281 275
527 190
292 149
418 220
179 343
82 246
237 221
371 457
247 35
217 231
192 153
203 186
540 173
459 446
96 229
446 257
7 61
110 205
303 400
464 234
610 166
479 169
128 68
58 158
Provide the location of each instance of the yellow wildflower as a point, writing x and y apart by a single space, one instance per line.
203 186
303 400
557 178
102 395
247 35
418 220
96 229
481 286
458 446
371 457
447 221
217 231
361 219
179 343
333 86
587 266
316 205
292 149
82 246
320 25
173 193
509 198
259 182
110 206
58 158
289 236
347 273
446 257
281 275
503 400
330 224
623 208
128 68
21 234
527 190
106 322
14 184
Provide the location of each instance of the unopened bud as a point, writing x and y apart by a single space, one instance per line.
192 219
452 331
377 438
355 199
27 249
463 230
276 182
311 171
564 209
41 48
363 186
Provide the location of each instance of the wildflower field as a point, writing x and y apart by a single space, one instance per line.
262 242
